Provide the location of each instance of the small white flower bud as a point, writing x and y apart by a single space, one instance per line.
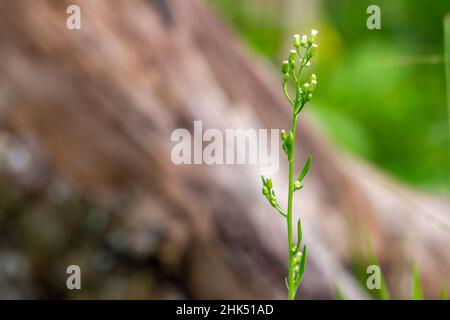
285 67
312 36
296 40
313 82
283 135
306 87
304 41
298 257
292 57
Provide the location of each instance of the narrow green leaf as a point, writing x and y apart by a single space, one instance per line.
277 207
302 265
299 235
339 295
299 231
416 288
384 291
305 169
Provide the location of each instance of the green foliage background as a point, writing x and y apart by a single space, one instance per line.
381 93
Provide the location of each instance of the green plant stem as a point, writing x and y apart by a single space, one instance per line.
303 94
292 287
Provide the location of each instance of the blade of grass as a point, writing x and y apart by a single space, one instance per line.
444 295
384 291
339 294
416 288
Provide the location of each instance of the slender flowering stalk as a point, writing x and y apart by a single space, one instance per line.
305 48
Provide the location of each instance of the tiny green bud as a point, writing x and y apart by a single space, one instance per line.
285 67
269 183
273 202
304 41
292 54
313 82
309 96
313 49
283 135
312 36
297 185
292 57
286 76
296 40
306 87
297 269
297 258
265 191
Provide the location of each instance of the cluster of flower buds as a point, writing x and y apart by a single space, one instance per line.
308 88
289 67
304 40
268 191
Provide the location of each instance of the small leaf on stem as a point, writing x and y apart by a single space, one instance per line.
305 169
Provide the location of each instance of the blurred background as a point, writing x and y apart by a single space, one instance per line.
86 178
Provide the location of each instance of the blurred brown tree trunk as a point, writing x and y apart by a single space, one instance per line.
96 108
